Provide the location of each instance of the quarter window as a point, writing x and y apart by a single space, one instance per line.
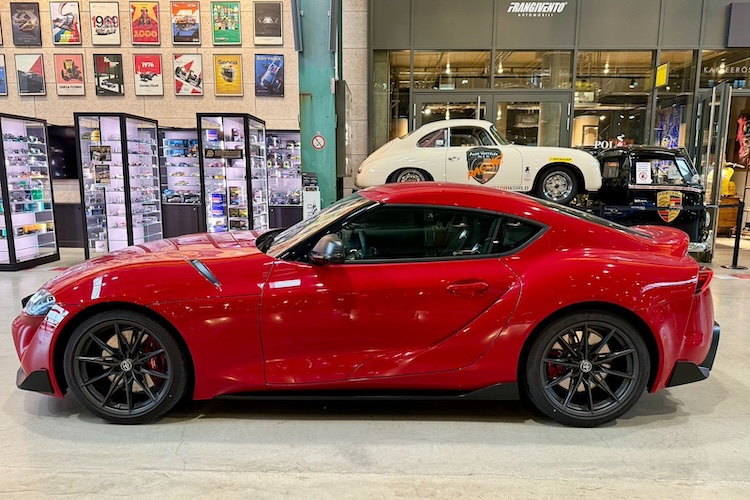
436 139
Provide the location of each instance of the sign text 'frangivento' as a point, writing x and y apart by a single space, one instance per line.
536 9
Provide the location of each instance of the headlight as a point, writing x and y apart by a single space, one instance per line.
40 303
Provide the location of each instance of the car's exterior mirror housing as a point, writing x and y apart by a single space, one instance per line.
329 249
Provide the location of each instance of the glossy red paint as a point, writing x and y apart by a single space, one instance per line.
462 324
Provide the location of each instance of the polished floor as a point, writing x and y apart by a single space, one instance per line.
687 442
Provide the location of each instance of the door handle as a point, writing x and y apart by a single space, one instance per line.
468 288
454 158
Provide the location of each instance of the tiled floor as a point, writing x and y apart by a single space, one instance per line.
690 441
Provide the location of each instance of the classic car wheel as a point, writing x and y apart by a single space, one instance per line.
124 367
558 184
408 175
587 369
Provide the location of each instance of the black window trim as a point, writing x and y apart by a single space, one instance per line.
335 227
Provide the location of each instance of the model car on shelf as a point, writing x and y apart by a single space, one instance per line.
653 185
432 288
473 152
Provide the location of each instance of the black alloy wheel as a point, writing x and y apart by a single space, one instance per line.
587 369
124 367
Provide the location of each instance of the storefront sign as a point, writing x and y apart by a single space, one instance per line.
233 154
536 9
614 143
662 75
725 70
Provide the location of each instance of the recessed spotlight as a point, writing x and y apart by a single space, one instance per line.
464 81
602 118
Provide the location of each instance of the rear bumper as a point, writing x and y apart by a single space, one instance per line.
686 372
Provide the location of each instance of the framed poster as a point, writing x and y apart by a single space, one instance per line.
30 74
228 74
144 22
108 75
186 23
1 32
225 23
105 23
267 23
188 74
3 76
269 75
66 23
69 74
149 77
24 19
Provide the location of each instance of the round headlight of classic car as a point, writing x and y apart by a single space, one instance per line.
40 303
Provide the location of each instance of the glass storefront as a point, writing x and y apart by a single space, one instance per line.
674 101
532 70
728 65
390 96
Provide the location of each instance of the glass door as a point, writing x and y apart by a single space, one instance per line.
430 107
533 119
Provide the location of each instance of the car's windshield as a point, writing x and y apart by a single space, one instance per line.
496 135
295 234
665 171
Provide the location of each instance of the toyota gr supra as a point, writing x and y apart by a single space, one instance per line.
389 293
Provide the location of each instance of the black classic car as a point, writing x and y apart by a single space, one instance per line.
653 185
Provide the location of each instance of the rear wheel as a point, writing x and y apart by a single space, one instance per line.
125 367
558 184
587 369
409 175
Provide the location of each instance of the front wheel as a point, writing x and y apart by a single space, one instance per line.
587 369
124 367
558 184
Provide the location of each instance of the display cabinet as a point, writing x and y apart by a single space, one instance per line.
119 173
27 221
284 164
234 174
181 186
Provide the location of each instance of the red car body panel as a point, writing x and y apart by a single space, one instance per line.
272 324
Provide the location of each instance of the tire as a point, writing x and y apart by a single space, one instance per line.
408 175
569 380
131 386
558 184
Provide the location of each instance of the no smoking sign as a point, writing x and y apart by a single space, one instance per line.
318 141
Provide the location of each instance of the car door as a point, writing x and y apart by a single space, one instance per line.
422 290
474 157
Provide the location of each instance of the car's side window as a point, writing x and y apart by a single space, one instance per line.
436 139
416 233
470 137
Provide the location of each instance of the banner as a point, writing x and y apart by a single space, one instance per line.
228 74
188 74
269 75
186 23
144 22
225 23
30 74
25 24
108 77
268 23
3 76
66 23
105 23
69 74
149 77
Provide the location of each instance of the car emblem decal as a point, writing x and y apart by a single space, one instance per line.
672 201
483 163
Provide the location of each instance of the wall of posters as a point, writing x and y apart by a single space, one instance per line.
105 23
268 23
186 23
149 77
144 22
269 75
3 76
69 74
188 74
30 74
108 77
225 23
25 24
228 74
66 23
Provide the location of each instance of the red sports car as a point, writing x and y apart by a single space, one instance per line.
415 290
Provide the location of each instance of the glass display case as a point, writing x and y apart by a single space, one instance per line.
284 164
233 165
181 183
27 222
119 180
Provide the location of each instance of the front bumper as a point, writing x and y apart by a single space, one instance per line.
686 372
37 381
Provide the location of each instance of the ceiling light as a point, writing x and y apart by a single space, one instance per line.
464 81
631 117
722 68
633 84
606 68
667 88
622 116
602 118
448 69
426 111
500 68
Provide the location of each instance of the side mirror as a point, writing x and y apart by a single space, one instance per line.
329 249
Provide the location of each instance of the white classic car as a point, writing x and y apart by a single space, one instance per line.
473 151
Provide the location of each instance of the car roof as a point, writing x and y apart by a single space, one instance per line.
460 122
643 148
